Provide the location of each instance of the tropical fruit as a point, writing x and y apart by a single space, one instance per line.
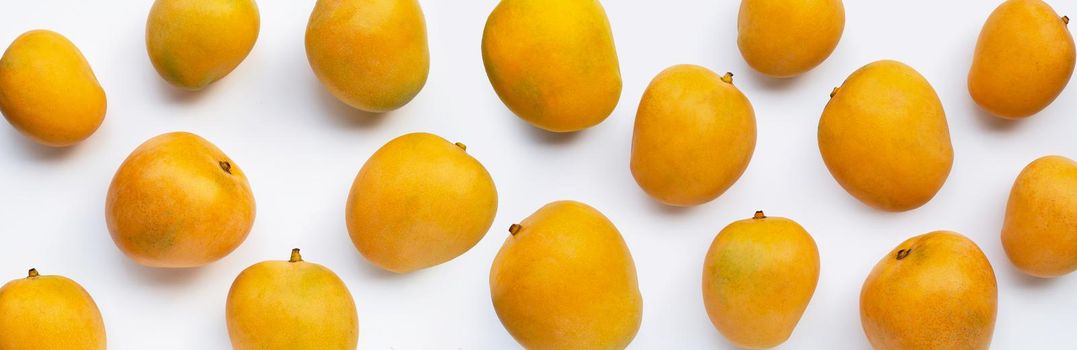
1039 233
785 38
49 313
193 43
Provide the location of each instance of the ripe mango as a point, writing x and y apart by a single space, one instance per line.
1039 233
934 291
370 54
785 38
49 313
193 43
758 278
884 137
694 136
419 201
553 62
565 279
1024 58
48 91
293 305
178 201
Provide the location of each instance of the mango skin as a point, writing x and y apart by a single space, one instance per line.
786 38
193 43
49 313
178 201
758 278
553 62
419 201
48 91
941 294
370 54
565 280
694 136
293 305
1039 232
1024 58
884 137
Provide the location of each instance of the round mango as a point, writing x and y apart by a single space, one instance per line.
49 313
48 91
1039 232
193 43
785 38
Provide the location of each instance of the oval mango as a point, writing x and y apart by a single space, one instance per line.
1039 232
785 38
42 312
193 43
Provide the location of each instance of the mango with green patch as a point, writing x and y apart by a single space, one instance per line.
193 43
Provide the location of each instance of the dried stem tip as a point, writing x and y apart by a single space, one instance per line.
33 273
759 215
833 92
461 145
901 254
514 229
226 166
1066 19
295 256
728 78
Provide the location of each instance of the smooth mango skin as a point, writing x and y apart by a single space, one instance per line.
933 291
370 54
1039 232
553 62
193 43
419 201
884 137
1024 58
758 278
49 313
565 280
48 91
291 305
178 201
694 136
785 38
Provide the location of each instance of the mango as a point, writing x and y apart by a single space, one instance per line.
758 278
694 136
193 43
933 291
370 54
786 38
419 201
294 305
565 279
49 313
553 62
884 137
1023 60
48 91
1039 232
178 201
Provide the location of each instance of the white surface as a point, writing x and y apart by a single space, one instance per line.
301 148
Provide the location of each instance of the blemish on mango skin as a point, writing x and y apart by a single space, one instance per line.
195 43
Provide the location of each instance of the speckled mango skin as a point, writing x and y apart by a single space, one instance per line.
193 43
177 201
48 91
786 38
371 54
1024 58
1039 233
49 313
933 291
553 62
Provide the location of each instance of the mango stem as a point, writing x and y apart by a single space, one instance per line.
461 145
295 256
833 92
728 77
759 215
33 273
901 254
225 165
515 228
1066 20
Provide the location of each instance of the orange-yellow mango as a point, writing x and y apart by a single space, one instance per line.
1023 60
785 38
49 313
553 62
884 137
419 201
694 136
565 279
1039 232
193 43
370 54
758 278
48 91
294 305
178 201
934 291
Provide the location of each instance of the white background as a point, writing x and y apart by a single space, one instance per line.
301 149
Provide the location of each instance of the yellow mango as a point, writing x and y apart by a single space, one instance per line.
370 54
694 136
1039 232
48 91
193 43
884 137
1024 58
553 62
49 313
785 38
